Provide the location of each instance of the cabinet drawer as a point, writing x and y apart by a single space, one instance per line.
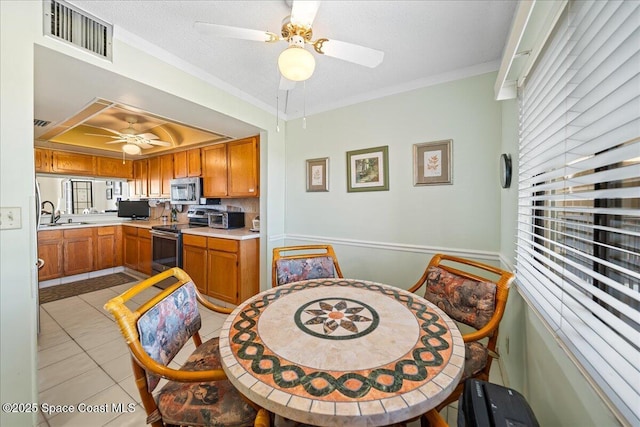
199 241
130 231
106 231
49 235
225 245
144 233
80 232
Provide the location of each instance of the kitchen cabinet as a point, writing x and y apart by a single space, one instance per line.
187 164
155 182
137 249
42 158
50 251
114 168
141 177
214 170
108 247
194 260
232 169
73 163
166 174
77 249
243 163
232 269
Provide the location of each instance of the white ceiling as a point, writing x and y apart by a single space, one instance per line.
424 42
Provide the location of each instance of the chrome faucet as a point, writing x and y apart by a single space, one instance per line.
54 218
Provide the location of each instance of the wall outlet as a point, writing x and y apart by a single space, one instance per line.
10 218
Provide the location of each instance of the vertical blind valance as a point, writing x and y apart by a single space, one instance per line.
578 238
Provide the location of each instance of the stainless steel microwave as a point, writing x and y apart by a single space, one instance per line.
185 191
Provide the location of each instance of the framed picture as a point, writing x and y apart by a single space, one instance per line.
432 163
318 174
109 193
368 169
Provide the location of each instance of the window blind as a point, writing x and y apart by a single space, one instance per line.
578 237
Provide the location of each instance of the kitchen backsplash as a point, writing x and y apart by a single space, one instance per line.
251 207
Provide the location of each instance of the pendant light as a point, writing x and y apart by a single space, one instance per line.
296 63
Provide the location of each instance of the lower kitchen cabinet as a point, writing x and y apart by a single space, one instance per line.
77 249
225 269
194 260
137 249
50 251
108 247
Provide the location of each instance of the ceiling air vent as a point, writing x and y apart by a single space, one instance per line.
67 23
41 123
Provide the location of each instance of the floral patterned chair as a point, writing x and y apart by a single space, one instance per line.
476 299
303 263
198 394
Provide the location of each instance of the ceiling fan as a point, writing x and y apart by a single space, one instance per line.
134 141
296 63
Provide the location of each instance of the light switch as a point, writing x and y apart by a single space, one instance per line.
10 218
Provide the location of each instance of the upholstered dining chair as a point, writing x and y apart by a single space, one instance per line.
295 263
198 394
475 297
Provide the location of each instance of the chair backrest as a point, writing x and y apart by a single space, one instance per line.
160 327
476 298
295 263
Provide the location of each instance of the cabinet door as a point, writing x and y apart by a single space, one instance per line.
50 250
194 260
166 172
214 170
114 168
42 159
140 177
222 276
243 164
130 247
144 251
180 164
155 177
194 163
73 163
107 247
78 251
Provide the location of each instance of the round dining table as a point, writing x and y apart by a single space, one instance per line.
342 352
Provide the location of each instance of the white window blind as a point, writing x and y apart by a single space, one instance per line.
578 248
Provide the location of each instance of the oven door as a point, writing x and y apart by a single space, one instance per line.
166 249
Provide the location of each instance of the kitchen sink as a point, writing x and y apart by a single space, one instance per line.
64 224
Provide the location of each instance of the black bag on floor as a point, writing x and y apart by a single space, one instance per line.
484 404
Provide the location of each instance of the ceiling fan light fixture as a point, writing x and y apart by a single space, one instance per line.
131 149
296 63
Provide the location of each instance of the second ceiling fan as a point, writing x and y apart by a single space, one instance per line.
134 141
296 63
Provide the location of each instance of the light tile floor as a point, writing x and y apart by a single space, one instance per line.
83 360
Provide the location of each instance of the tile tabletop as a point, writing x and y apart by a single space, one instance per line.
342 352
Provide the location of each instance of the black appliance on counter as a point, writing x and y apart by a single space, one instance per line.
166 240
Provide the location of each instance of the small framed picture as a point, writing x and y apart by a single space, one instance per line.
318 174
368 169
432 163
109 193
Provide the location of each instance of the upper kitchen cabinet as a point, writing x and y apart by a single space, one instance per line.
243 168
114 168
141 177
42 158
187 164
232 169
73 163
160 175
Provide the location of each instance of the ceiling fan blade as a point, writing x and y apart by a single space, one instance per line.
144 145
147 135
118 141
104 136
157 142
214 30
349 52
286 84
304 12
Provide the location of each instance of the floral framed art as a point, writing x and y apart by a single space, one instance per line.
318 174
432 163
368 169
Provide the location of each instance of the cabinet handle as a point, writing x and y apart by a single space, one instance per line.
40 263
251 190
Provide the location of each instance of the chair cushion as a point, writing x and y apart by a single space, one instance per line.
167 326
465 300
475 359
215 403
294 270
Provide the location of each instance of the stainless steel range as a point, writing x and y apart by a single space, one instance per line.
166 240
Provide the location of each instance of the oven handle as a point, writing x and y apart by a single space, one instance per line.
165 234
